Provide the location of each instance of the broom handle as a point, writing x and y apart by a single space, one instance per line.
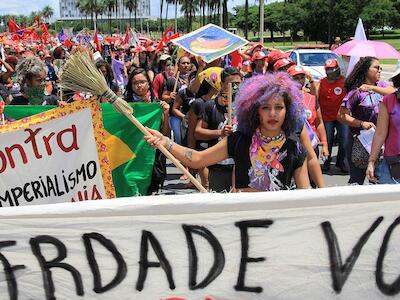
230 104
168 154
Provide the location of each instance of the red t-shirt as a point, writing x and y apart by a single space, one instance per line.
330 98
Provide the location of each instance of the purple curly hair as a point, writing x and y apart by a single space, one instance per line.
257 90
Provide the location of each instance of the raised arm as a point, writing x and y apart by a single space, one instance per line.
189 157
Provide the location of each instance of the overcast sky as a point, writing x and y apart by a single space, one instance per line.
27 6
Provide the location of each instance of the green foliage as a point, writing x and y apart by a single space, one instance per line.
322 19
380 13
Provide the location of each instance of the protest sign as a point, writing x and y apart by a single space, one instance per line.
333 243
210 42
130 156
56 156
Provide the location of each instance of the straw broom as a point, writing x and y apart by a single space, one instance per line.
80 74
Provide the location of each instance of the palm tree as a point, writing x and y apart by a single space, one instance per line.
110 5
189 8
98 8
246 17
161 19
176 13
131 5
47 12
83 6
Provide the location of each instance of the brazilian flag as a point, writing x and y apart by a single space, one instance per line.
131 157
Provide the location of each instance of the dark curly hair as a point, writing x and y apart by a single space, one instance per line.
358 75
129 91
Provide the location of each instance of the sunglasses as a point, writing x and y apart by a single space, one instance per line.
379 68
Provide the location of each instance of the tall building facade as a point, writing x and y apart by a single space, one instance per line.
69 10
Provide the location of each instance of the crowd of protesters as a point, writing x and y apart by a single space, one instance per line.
282 123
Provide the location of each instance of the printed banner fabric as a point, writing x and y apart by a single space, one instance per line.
55 156
130 156
333 243
210 42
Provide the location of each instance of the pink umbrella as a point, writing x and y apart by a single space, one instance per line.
367 48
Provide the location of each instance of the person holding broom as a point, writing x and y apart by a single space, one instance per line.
138 90
266 148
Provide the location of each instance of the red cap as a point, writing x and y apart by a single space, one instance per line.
275 55
140 49
296 70
331 63
151 49
258 55
283 62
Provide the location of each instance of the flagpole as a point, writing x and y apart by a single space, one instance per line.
221 17
230 104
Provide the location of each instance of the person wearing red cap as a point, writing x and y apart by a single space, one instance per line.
283 64
312 112
331 92
258 66
273 57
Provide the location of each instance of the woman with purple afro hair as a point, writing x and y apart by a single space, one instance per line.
266 147
255 91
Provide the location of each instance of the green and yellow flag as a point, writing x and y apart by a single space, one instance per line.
131 157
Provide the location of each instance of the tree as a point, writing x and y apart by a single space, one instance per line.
378 14
273 13
189 8
47 12
161 19
252 17
131 5
246 23
292 16
110 6
84 8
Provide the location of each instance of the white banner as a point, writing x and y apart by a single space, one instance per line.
51 162
334 243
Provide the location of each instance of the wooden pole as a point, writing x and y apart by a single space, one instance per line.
176 81
230 104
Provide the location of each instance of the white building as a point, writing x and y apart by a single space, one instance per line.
69 11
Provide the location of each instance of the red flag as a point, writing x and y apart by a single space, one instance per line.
174 36
45 33
166 37
27 34
168 33
44 29
97 42
15 37
12 26
36 22
236 59
127 37
35 36
67 43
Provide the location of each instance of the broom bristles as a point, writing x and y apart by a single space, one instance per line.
80 74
